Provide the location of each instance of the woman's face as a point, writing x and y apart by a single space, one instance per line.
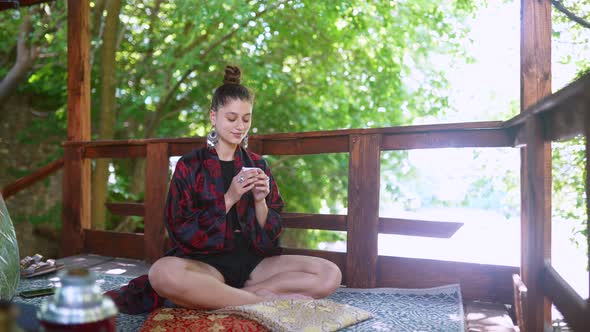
232 121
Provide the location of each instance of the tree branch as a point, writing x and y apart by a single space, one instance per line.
570 15
25 56
197 41
170 94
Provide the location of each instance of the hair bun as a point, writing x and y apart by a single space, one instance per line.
233 75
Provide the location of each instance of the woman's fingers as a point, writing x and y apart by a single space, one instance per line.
253 179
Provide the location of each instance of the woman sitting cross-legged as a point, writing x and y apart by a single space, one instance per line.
225 225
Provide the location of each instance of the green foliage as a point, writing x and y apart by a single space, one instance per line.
313 65
569 179
569 195
47 84
52 216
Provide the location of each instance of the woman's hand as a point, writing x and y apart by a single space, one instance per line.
261 186
240 184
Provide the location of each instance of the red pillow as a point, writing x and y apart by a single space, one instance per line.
178 319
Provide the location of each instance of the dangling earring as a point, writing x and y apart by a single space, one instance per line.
212 138
245 142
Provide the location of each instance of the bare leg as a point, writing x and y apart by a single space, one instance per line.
294 276
194 284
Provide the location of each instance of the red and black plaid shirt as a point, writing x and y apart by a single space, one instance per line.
195 209
196 220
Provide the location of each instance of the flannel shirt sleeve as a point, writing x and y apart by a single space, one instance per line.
268 236
191 225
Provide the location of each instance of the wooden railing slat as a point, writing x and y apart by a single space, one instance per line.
4 5
114 244
314 221
448 139
27 181
200 141
363 210
331 222
115 152
156 188
306 145
440 229
563 112
76 201
126 209
478 281
571 305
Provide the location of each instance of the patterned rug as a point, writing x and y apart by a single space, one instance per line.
393 309
398 309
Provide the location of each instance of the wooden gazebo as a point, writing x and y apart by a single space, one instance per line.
545 117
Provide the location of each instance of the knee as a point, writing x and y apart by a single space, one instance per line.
331 278
161 275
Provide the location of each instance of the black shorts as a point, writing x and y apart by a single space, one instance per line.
235 266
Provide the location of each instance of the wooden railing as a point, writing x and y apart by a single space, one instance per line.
361 264
27 181
560 116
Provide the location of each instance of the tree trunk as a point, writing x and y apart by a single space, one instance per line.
107 112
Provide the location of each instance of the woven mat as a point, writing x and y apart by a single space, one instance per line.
393 309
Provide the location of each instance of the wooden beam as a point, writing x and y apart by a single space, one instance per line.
363 210
76 184
331 222
78 71
535 68
182 148
302 140
14 4
114 244
75 202
448 139
328 222
562 113
32 178
572 306
156 188
439 229
478 281
302 146
114 152
126 209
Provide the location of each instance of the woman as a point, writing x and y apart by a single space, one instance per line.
224 223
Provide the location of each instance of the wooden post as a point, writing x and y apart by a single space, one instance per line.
76 176
363 210
156 188
535 66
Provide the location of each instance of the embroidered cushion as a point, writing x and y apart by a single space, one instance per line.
300 315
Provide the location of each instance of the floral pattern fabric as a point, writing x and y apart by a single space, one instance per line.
300 315
177 319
